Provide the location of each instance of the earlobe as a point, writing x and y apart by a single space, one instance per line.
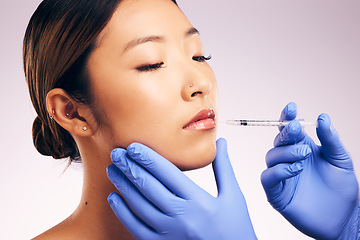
68 114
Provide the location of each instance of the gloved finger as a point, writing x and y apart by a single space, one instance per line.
290 134
166 172
331 145
224 174
147 184
272 178
288 113
287 154
151 215
129 219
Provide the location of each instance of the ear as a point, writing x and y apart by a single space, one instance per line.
76 118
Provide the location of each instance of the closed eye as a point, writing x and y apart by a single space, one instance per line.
150 67
201 58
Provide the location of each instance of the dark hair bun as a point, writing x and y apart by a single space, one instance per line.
58 144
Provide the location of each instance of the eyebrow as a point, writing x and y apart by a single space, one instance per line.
154 38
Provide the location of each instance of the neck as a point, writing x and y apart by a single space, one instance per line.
94 215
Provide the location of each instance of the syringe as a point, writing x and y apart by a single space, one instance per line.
266 123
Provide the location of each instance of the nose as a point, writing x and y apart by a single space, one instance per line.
196 84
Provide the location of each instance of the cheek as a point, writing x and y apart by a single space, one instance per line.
138 111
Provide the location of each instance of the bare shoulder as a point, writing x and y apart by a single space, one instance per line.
64 230
51 234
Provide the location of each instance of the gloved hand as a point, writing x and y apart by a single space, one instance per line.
160 202
313 187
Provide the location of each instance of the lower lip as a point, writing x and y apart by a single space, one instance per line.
204 124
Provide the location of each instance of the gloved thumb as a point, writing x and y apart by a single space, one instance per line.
224 174
331 145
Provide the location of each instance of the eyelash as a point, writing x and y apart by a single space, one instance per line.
153 67
150 67
201 58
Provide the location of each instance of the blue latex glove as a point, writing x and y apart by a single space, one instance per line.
163 203
313 187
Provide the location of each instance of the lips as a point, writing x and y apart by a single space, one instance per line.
203 120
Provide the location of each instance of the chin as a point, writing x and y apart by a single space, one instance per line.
199 164
197 157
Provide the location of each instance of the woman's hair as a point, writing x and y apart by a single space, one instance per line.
59 38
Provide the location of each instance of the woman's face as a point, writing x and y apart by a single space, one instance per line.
152 84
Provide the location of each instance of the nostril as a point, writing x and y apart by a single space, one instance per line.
196 93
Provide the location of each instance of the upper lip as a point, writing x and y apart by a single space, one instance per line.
201 115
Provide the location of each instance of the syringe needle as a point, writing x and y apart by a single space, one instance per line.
266 123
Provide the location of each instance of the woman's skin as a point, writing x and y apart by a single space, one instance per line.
149 80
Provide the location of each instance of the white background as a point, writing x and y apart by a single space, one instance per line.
266 53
